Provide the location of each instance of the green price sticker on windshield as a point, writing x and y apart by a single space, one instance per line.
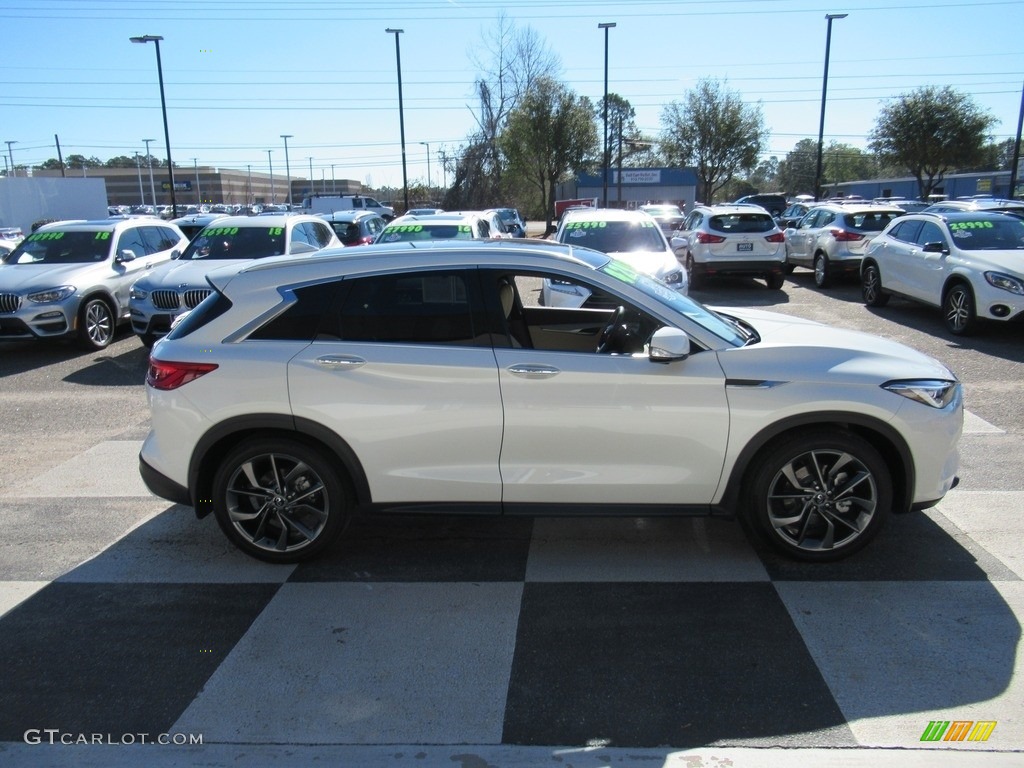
955 225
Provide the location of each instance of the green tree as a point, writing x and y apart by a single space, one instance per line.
549 136
123 161
930 132
796 171
714 131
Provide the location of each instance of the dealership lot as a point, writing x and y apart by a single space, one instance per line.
504 642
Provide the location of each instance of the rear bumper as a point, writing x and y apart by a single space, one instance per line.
163 486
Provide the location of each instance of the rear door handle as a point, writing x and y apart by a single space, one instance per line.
337 362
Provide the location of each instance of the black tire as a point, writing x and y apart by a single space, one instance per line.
280 500
788 268
820 495
97 324
871 286
774 280
822 271
691 271
148 340
958 310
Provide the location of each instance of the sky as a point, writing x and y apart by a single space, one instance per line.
240 73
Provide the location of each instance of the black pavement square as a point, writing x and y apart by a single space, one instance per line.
117 658
661 664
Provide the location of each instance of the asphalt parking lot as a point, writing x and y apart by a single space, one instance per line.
501 643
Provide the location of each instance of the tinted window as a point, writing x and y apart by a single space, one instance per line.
614 236
158 239
988 234
301 320
410 308
872 221
219 242
906 231
61 248
317 235
930 233
213 306
131 240
735 223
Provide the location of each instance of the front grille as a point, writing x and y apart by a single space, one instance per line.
10 302
165 299
194 297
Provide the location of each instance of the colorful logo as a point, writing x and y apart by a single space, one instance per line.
958 730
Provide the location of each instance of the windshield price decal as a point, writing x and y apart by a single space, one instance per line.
404 228
586 225
220 231
46 236
955 225
274 231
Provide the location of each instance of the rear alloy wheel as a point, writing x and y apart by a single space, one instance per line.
96 324
822 276
820 495
691 271
280 500
871 287
958 310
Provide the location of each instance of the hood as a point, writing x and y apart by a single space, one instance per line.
20 278
658 263
822 351
184 274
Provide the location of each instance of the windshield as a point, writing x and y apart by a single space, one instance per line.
413 232
61 248
216 242
988 234
684 305
614 236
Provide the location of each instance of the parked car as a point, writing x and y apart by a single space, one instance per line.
741 240
773 202
355 227
163 294
194 223
72 278
423 211
1013 207
831 238
631 236
792 215
513 221
669 217
439 226
970 264
434 385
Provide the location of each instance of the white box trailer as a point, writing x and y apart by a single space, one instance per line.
25 201
334 203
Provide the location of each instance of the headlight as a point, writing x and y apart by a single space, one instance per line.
937 393
138 293
1005 282
674 278
51 295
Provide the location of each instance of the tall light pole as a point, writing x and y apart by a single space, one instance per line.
312 184
287 167
334 184
401 112
138 168
163 108
199 190
152 186
427 145
270 162
607 161
11 155
824 90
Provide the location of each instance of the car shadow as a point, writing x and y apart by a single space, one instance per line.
738 291
21 356
127 369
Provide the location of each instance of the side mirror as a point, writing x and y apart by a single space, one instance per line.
936 247
669 344
176 253
124 256
678 243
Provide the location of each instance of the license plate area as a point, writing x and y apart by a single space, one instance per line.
744 246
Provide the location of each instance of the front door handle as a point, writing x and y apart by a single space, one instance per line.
337 362
533 371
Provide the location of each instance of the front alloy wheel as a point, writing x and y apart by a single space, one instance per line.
280 500
821 495
96 324
958 310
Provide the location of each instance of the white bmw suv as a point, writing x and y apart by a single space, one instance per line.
421 376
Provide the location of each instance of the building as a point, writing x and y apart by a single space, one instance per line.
952 186
632 187
206 185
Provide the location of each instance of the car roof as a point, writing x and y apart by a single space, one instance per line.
860 206
265 220
97 225
446 217
605 214
961 215
734 208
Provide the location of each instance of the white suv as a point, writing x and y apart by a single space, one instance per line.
733 239
971 264
415 377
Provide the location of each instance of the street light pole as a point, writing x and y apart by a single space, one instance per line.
149 161
401 112
604 199
287 167
11 155
138 167
427 145
199 190
270 162
824 90
163 108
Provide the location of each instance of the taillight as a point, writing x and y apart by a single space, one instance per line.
166 374
704 237
842 236
778 237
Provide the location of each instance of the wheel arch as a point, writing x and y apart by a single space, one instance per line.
886 440
109 299
213 446
954 279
